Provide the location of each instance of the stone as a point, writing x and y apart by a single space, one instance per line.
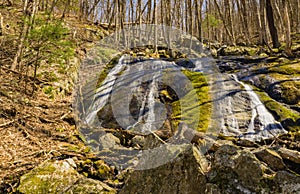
270 157
108 140
286 182
169 169
212 189
291 155
59 177
138 141
235 170
248 169
87 185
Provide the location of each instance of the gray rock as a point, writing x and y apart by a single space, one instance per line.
248 169
271 158
212 189
286 182
235 170
138 141
87 185
59 177
183 173
291 155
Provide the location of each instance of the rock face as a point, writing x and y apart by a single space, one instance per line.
239 171
185 173
59 177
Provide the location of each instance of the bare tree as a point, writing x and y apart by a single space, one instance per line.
271 23
286 19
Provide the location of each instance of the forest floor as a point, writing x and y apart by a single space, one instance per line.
33 128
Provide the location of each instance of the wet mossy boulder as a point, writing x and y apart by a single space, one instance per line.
59 177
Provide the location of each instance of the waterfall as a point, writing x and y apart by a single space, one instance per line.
102 93
262 121
238 112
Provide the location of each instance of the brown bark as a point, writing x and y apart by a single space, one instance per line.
224 22
286 19
271 23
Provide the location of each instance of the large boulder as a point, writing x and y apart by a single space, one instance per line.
169 169
59 177
236 171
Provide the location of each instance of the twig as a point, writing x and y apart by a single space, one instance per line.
7 123
64 116
12 121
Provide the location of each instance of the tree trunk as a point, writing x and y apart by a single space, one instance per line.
155 26
280 18
298 16
22 38
198 7
288 41
244 11
271 23
224 22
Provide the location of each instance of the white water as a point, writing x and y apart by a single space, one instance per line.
151 101
267 126
103 92
241 114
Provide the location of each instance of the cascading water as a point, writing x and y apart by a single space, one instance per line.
262 121
102 94
242 112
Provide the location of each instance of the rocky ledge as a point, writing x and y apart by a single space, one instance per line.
227 167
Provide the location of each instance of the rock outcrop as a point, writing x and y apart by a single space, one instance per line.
184 173
60 177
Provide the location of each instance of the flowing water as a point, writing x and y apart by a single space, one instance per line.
236 107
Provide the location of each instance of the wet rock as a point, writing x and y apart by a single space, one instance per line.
59 177
180 170
271 158
291 155
286 182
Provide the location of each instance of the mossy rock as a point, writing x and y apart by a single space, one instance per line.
59 177
203 105
280 112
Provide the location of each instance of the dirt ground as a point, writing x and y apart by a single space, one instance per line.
33 127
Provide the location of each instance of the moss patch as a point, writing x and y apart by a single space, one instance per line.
279 111
203 104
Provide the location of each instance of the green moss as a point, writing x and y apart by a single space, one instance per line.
203 104
48 178
279 111
107 69
290 68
